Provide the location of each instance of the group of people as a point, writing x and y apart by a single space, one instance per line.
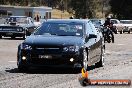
107 23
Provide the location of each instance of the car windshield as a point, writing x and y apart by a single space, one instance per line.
114 21
126 22
95 21
60 29
22 20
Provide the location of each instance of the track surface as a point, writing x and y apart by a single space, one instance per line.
118 65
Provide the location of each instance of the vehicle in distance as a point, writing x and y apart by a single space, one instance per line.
127 25
62 42
23 21
12 31
118 26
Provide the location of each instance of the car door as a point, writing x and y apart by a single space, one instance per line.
97 43
91 45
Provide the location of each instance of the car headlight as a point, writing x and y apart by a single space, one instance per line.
26 46
19 30
71 48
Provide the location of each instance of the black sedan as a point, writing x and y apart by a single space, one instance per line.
67 42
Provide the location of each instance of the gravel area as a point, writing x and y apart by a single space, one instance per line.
118 65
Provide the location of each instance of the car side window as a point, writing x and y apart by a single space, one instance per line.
91 28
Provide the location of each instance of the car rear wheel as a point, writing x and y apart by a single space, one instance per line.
85 60
101 62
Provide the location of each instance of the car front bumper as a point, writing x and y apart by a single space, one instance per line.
68 59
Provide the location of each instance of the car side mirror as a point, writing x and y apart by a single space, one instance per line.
92 36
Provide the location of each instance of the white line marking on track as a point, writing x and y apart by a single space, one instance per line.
12 61
120 44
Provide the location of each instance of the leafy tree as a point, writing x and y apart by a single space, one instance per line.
122 9
81 8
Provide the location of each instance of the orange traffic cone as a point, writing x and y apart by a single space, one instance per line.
84 73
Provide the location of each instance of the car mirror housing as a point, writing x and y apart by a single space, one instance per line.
92 36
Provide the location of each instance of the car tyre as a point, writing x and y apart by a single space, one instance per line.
101 62
22 68
129 32
12 37
116 31
24 37
121 31
85 60
0 36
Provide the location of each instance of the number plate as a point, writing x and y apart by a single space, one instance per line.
45 56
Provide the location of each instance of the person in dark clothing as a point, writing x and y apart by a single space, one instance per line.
110 25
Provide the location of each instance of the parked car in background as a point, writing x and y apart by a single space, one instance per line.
62 42
127 25
22 21
117 25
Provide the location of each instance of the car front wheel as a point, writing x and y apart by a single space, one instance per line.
129 32
101 62
24 37
121 31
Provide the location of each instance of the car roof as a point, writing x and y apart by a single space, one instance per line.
113 19
125 20
68 20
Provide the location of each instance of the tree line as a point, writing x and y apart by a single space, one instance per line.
121 9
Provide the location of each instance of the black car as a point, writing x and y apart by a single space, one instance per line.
12 31
62 42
